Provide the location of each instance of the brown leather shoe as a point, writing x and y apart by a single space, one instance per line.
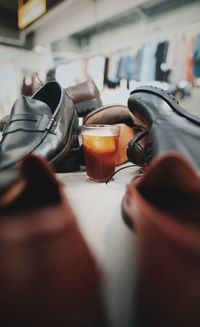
112 114
48 276
164 206
85 96
116 114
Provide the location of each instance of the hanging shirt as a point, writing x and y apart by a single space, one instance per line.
113 67
178 60
161 55
147 72
126 67
189 61
196 57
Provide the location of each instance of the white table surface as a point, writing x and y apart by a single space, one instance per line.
98 210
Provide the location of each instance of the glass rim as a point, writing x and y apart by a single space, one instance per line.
114 129
100 125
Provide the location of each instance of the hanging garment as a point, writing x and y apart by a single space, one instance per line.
95 70
189 61
113 67
178 60
107 82
161 55
126 67
196 57
147 72
138 64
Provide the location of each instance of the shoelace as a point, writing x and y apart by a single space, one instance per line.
141 172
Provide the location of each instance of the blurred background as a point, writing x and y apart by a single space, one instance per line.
120 44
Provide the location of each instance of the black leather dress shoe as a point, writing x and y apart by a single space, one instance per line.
85 96
169 127
44 124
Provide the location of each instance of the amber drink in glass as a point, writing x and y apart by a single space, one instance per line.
100 144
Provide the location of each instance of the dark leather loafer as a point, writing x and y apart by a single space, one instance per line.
169 127
86 99
85 96
43 124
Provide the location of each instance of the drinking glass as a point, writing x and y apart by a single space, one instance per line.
100 144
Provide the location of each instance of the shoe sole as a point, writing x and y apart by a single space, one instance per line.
170 99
